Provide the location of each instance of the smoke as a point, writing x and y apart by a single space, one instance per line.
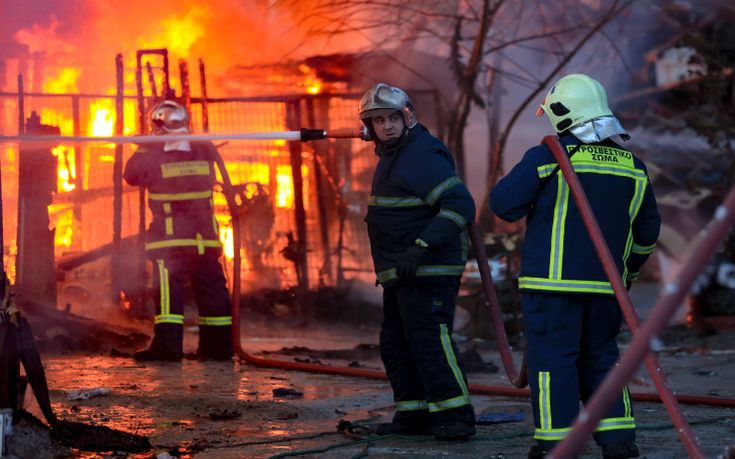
39 38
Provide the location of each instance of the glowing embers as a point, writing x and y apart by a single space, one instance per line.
310 82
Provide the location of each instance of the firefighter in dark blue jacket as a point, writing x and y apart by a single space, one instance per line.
183 239
417 216
571 316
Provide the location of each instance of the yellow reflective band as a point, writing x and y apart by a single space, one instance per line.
626 403
633 208
411 405
598 154
165 301
448 404
185 168
169 319
551 434
545 170
453 216
463 242
399 201
200 244
180 196
615 424
440 270
423 271
544 400
644 249
215 225
556 254
182 243
562 285
451 359
169 226
434 194
635 174
215 320
167 207
387 275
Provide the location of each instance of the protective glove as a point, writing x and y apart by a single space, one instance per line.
408 262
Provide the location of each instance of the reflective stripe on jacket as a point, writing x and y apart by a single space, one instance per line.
558 254
179 185
416 194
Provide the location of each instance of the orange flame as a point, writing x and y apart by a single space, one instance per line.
65 81
284 187
66 168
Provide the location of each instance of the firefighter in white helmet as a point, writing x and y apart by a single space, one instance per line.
570 313
417 216
183 238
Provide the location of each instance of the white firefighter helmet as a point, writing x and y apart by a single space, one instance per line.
574 99
169 117
383 100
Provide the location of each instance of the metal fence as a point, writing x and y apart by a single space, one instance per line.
336 176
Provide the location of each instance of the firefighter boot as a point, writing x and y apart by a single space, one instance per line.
453 430
215 342
166 345
620 451
406 423
537 452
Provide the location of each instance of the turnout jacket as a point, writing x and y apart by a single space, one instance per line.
180 197
417 196
558 254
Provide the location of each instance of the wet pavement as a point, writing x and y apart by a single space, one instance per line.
228 410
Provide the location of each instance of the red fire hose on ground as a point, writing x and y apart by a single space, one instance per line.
639 350
517 379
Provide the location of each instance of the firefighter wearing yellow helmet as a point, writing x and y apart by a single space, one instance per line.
417 215
570 313
183 238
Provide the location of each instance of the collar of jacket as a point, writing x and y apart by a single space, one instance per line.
387 149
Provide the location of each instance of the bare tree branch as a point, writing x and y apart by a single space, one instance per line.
499 148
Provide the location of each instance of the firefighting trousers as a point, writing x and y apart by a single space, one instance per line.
571 347
420 358
172 275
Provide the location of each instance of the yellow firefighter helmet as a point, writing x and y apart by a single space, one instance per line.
573 100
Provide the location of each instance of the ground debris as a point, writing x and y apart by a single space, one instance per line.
85 394
286 392
224 413
97 438
354 431
359 352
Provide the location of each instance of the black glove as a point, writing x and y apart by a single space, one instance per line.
407 262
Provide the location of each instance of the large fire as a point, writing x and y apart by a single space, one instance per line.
68 52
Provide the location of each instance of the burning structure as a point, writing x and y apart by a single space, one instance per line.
291 236
301 204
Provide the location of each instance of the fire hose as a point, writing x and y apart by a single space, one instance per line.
302 135
586 422
639 350
517 379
